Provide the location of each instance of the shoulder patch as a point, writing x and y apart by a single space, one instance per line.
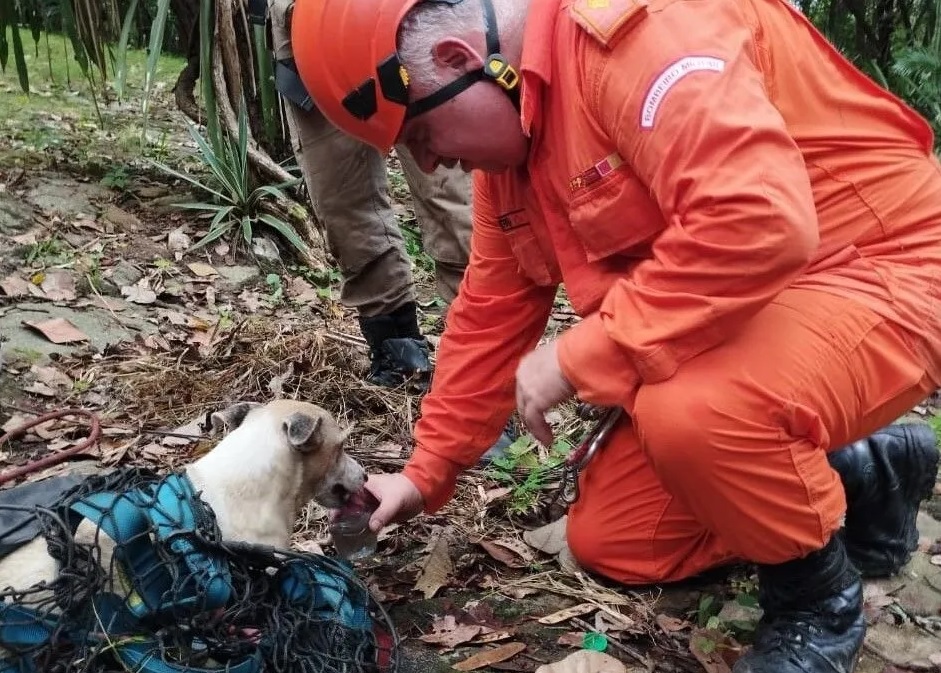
604 19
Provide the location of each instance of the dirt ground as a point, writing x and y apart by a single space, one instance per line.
101 309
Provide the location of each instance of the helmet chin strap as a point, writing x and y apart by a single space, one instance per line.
496 69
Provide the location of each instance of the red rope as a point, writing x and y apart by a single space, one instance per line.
59 456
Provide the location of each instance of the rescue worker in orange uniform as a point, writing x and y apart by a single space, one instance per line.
751 231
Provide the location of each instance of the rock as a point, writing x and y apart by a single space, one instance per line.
15 216
265 248
905 646
235 277
101 328
733 611
121 219
65 197
124 273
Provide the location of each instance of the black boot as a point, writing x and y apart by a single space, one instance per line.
886 476
398 352
813 616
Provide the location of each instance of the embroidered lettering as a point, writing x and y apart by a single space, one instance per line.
669 77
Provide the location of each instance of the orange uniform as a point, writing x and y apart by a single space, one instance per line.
751 230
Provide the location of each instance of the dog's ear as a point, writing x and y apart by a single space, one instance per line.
307 433
303 431
231 417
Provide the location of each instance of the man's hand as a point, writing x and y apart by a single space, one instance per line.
399 499
540 385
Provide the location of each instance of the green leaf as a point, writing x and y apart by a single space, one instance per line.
221 166
183 176
216 230
247 229
153 55
285 230
68 23
120 69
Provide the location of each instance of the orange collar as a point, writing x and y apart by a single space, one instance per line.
536 60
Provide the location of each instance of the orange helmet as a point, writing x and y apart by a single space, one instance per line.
345 54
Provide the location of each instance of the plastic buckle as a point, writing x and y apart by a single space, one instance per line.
499 70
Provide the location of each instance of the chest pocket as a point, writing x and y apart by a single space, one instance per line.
517 227
613 215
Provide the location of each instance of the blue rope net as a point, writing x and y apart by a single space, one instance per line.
144 582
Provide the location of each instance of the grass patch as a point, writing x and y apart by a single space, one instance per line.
58 120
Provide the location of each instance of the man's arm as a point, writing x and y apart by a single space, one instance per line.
498 316
682 96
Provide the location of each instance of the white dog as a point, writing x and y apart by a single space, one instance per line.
275 458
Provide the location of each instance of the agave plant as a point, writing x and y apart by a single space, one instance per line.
234 202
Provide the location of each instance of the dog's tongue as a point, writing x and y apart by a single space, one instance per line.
361 500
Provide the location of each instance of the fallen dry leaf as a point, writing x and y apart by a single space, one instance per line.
671 624
202 269
568 613
111 452
550 538
489 657
437 567
310 547
571 639
511 553
447 633
14 286
15 421
495 494
585 661
51 376
177 241
492 637
59 285
193 431
139 294
57 330
714 650
302 291
276 384
38 388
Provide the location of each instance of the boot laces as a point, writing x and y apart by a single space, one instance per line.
789 633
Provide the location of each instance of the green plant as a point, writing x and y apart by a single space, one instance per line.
273 281
519 458
116 178
49 252
235 202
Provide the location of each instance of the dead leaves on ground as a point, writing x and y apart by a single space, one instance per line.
437 567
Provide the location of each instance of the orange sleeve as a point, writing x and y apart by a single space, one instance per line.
682 98
498 316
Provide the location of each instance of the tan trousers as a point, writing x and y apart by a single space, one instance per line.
349 191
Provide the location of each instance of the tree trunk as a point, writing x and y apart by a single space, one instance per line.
233 73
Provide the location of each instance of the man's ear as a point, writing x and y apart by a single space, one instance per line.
456 54
303 431
231 417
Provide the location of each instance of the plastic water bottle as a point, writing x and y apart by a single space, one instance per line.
352 538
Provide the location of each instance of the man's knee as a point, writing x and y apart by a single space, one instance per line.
676 425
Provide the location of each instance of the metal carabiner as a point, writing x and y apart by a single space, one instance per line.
580 457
